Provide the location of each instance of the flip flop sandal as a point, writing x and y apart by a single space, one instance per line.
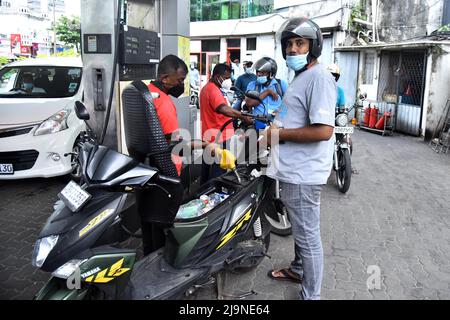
287 275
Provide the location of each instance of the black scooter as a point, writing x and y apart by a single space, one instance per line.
82 243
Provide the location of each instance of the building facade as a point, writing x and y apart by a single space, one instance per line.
395 51
246 30
25 26
400 59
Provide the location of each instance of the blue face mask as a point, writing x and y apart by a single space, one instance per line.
261 80
248 70
28 86
298 62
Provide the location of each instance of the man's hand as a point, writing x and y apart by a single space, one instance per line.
211 149
248 120
271 135
269 92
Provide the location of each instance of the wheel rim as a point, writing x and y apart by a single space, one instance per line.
75 164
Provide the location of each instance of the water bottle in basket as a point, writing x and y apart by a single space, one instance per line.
191 209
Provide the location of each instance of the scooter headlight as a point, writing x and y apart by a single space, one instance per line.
69 268
342 120
42 249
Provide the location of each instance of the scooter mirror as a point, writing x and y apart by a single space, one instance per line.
81 111
363 96
253 95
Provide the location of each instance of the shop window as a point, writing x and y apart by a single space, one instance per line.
207 10
233 43
211 45
369 66
251 44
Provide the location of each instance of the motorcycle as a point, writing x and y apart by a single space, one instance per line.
343 148
82 243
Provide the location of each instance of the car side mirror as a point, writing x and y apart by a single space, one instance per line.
253 95
81 111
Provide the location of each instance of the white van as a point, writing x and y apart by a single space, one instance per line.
38 124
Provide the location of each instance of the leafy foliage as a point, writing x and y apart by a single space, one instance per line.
358 12
68 30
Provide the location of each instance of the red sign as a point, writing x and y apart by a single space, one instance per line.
16 43
25 50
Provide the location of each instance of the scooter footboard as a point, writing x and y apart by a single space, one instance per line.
154 279
57 289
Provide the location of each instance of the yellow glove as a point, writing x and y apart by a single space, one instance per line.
227 159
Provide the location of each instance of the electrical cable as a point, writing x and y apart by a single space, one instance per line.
113 76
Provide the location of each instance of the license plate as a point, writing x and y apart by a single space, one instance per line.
73 196
6 168
343 130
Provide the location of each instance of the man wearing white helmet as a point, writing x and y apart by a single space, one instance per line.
340 102
305 123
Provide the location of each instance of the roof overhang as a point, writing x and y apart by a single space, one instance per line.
254 26
395 46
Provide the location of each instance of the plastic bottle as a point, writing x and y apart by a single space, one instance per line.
191 209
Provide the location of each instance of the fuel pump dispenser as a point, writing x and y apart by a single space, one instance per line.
123 41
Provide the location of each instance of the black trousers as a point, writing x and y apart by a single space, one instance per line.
153 236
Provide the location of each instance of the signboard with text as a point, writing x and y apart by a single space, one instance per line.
16 43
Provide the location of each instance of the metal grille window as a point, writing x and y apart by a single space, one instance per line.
401 82
387 84
369 65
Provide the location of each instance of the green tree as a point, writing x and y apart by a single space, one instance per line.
68 30
3 60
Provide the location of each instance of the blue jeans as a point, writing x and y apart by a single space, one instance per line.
303 205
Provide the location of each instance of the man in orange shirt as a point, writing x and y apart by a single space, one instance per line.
215 111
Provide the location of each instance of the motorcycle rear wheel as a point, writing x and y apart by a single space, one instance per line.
344 172
281 224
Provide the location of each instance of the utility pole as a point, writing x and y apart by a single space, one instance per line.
54 28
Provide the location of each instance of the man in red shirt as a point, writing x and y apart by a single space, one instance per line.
170 81
215 111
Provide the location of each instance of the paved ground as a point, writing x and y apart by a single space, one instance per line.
395 219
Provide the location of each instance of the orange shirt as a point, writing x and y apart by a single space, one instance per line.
167 114
210 98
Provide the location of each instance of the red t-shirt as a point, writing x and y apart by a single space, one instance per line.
167 114
210 98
